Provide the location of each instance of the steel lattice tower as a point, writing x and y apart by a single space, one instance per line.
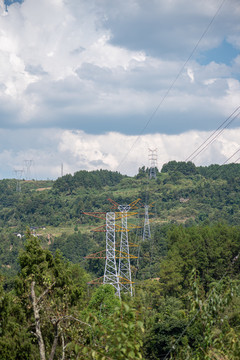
153 163
110 272
124 268
146 229
27 165
119 278
18 178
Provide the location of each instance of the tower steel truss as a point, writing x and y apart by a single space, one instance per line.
146 228
110 272
153 163
120 278
27 165
124 268
18 178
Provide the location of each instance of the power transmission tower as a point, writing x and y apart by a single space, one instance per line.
110 272
120 279
18 174
152 155
124 268
146 228
27 165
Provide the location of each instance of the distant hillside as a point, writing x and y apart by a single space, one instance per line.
182 193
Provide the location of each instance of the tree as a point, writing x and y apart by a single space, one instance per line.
49 295
210 331
119 337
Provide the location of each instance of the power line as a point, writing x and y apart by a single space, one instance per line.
231 156
172 84
212 137
236 160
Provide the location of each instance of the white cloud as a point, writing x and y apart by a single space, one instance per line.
74 65
79 80
190 74
113 151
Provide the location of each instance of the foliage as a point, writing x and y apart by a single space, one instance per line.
49 290
103 301
186 313
186 168
121 339
210 335
93 179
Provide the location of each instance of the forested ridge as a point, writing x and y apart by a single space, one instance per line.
186 301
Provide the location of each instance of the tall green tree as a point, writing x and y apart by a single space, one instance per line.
49 296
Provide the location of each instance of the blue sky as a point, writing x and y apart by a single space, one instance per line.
225 53
95 71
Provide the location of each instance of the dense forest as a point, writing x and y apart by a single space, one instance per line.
186 276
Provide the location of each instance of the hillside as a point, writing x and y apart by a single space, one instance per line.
188 270
181 194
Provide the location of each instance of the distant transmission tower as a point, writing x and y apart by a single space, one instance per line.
110 272
152 155
27 165
18 174
146 229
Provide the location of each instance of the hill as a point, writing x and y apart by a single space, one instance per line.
182 194
186 276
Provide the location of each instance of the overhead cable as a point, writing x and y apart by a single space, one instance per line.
231 156
214 135
172 84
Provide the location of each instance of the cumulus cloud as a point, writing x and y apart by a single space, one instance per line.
171 28
77 150
99 67
79 80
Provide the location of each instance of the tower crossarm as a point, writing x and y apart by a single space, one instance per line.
134 203
129 244
98 281
99 255
118 228
127 214
114 203
132 226
124 255
123 280
103 255
99 215
130 206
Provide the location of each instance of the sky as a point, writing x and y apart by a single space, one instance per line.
95 84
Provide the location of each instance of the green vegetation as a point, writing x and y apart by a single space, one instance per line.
186 293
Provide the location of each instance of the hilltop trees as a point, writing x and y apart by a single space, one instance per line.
85 179
185 168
